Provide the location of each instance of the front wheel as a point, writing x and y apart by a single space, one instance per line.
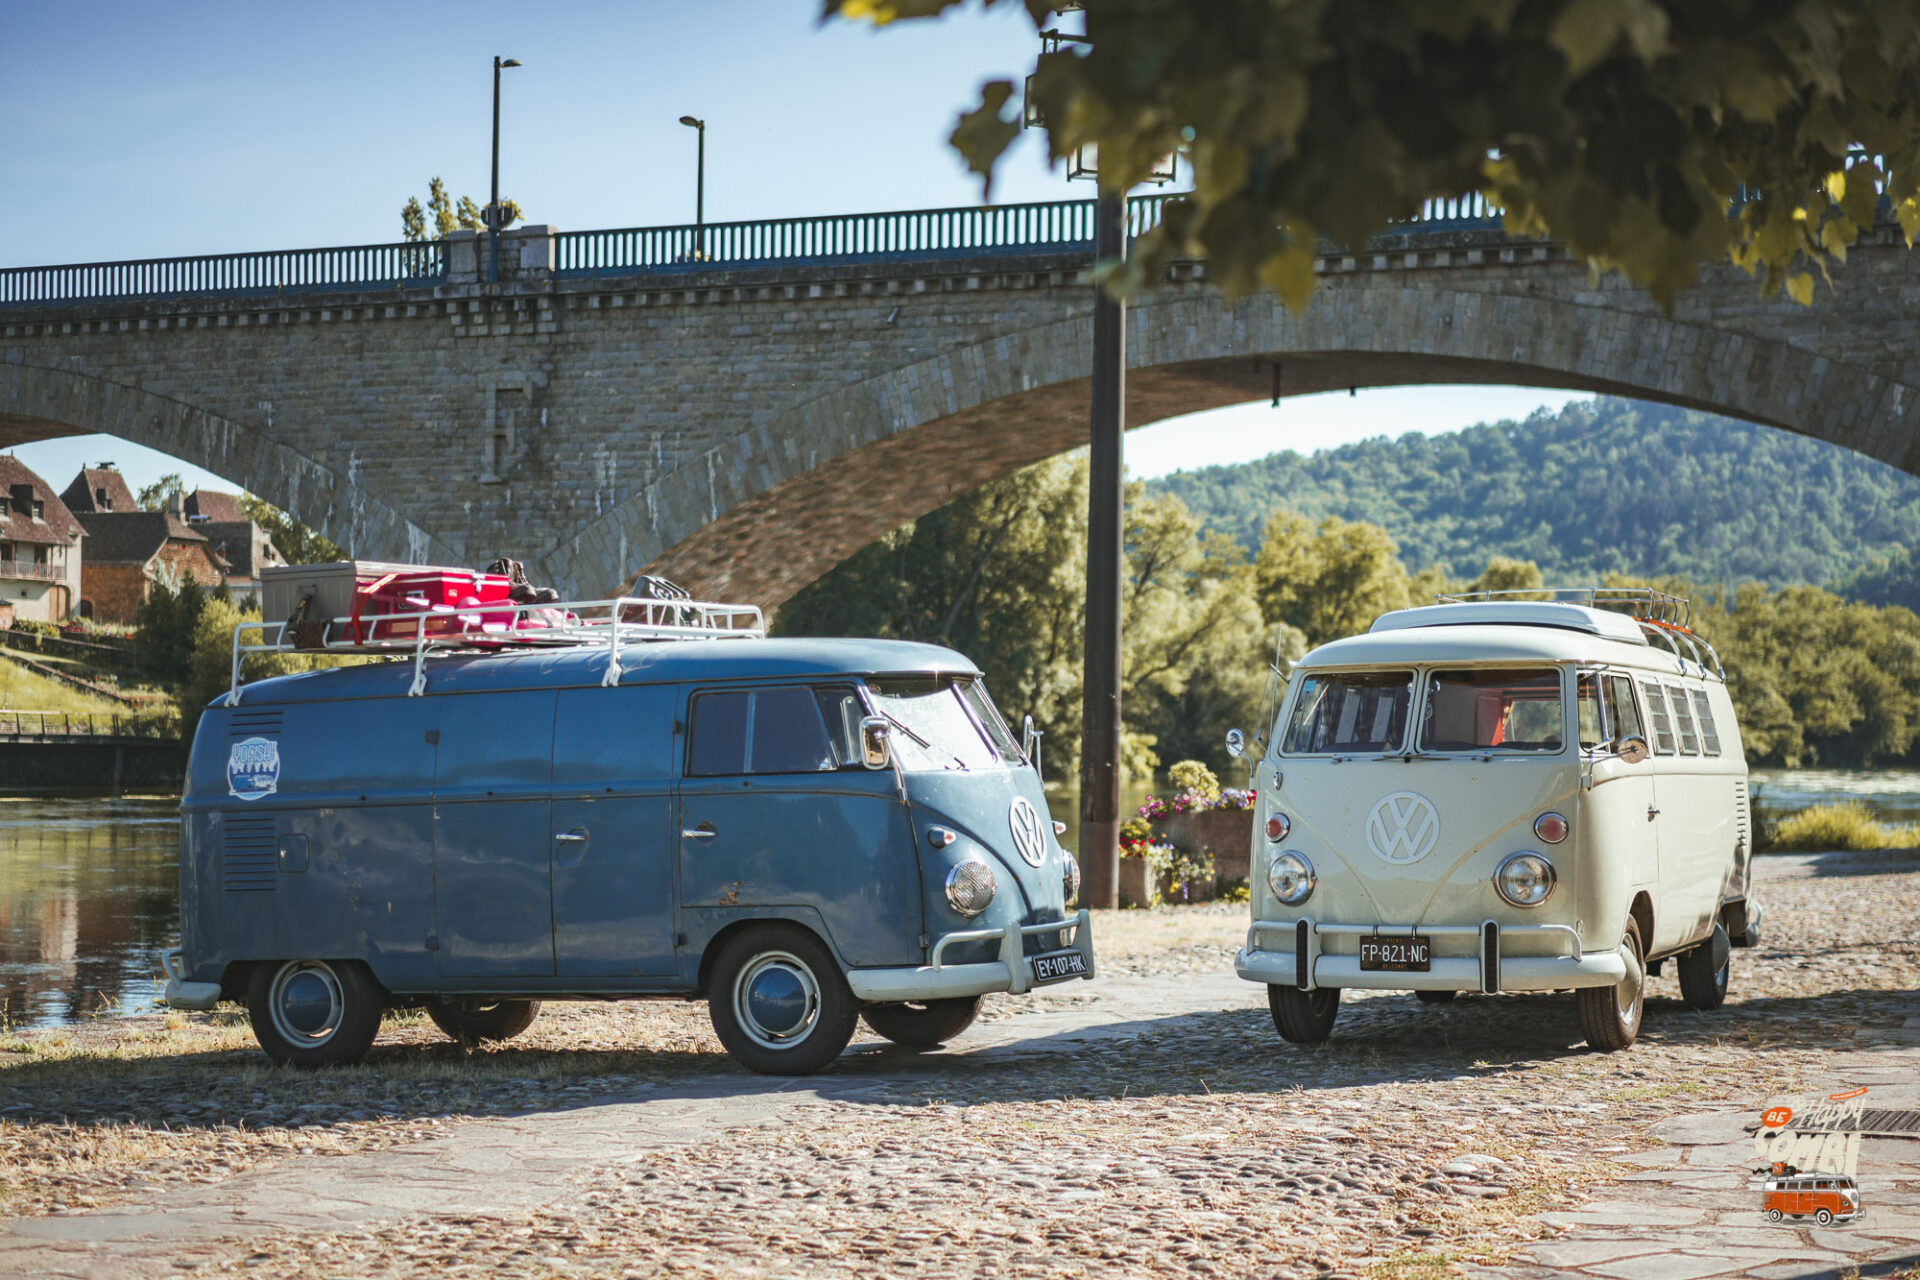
475 1021
1701 985
314 1013
1774 1215
1824 1217
1304 1017
779 1002
1610 1016
922 1024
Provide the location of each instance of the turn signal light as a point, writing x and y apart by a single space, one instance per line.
1550 827
1278 827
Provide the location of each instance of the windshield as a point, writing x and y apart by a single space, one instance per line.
933 727
1493 710
1343 711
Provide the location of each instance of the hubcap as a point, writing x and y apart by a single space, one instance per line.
776 1000
306 1002
1628 992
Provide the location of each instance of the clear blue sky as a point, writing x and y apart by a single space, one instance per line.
152 130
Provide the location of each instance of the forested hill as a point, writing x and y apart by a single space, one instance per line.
1602 485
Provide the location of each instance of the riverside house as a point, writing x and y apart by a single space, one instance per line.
39 547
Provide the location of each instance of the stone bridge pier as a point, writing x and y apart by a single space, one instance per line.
742 430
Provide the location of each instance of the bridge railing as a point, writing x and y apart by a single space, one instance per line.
413 265
1058 226
82 724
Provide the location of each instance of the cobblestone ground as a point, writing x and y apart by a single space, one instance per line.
1178 1137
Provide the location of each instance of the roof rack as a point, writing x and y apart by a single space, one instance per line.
501 628
1664 617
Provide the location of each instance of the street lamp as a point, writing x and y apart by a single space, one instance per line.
699 187
495 216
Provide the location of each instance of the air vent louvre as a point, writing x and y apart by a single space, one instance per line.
246 723
249 856
1741 824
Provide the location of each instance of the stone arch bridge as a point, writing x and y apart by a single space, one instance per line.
742 406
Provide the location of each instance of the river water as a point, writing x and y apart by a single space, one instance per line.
88 887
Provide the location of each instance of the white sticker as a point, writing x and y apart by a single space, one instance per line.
253 768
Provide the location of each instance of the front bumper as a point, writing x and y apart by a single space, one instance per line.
1012 972
1286 953
182 994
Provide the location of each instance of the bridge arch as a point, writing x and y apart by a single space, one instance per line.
38 403
836 472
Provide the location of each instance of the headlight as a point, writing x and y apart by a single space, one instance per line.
1550 827
970 887
1290 877
1278 826
1524 879
1069 875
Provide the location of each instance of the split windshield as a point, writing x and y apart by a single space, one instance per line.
1345 711
1479 710
943 724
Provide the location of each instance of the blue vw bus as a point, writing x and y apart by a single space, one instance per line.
803 832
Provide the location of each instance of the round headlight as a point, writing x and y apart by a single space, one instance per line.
1550 827
1290 877
970 887
1524 879
1278 826
1070 875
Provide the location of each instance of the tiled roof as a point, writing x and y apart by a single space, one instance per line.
243 543
87 490
220 508
132 537
22 488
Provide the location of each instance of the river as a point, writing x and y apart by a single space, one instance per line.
88 887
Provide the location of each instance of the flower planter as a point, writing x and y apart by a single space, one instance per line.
1224 834
1137 883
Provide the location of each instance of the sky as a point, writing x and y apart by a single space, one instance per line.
132 130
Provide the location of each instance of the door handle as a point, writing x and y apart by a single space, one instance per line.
705 831
1652 813
576 836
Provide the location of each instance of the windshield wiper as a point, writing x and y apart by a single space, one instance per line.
920 741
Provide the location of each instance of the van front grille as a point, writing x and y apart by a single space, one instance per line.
249 857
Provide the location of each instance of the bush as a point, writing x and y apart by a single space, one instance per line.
1194 776
1839 826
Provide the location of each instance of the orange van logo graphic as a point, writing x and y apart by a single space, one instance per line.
1403 828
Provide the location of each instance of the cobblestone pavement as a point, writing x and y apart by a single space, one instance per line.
1149 1123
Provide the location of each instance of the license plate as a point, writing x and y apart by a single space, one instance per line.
1403 954
1056 966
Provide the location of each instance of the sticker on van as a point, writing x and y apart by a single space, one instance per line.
253 768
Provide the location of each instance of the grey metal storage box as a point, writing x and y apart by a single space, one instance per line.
331 585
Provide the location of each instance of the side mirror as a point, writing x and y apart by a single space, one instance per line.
1632 750
875 742
1236 743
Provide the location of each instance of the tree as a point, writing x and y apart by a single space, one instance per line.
162 493
1624 129
295 541
447 215
1329 580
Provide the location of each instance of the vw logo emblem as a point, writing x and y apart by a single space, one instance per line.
1403 827
1027 836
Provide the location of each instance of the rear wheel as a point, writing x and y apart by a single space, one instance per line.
1701 985
779 1002
1435 997
1304 1017
314 1013
924 1023
1610 1016
473 1021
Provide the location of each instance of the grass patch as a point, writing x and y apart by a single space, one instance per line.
1417 1266
1839 826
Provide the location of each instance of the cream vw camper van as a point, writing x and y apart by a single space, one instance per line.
1498 794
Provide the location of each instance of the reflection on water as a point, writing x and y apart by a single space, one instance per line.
88 900
1892 795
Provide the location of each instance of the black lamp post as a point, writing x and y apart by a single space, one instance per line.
494 216
699 187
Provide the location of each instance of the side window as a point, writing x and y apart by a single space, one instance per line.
1623 714
1683 718
771 731
843 711
1709 734
719 735
787 734
1593 724
1663 743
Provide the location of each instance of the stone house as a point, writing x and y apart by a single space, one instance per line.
129 551
99 489
242 543
40 547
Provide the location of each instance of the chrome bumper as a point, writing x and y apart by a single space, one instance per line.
182 994
1012 972
1300 963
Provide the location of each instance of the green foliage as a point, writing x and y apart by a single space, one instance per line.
1329 580
1194 776
1601 486
447 214
161 494
1893 577
208 672
293 540
169 621
1839 826
1624 129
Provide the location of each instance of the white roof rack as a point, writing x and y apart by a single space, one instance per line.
1633 615
502 628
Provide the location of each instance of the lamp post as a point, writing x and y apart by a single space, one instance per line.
699 187
494 218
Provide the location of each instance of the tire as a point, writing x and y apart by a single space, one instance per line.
779 1002
477 1021
1610 1016
1304 1017
1774 1215
1435 997
314 1013
1824 1217
1701 986
922 1024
